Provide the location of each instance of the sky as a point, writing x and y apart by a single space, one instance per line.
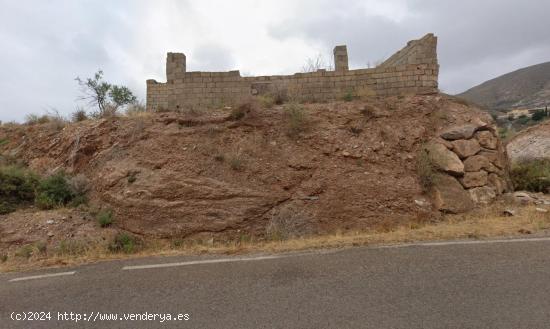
47 44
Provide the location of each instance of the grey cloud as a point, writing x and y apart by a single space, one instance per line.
470 33
211 57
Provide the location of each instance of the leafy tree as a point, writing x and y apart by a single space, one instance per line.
538 115
107 97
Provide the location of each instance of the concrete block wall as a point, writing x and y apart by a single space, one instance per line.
412 70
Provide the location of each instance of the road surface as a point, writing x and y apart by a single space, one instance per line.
456 285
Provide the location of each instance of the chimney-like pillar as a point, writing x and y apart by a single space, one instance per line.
340 58
175 63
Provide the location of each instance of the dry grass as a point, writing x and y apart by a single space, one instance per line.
480 224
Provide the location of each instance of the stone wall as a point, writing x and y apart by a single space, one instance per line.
471 164
412 70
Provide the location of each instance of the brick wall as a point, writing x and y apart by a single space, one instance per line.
412 70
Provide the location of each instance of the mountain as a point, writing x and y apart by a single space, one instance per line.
525 88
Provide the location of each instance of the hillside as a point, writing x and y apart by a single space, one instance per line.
525 88
251 171
531 143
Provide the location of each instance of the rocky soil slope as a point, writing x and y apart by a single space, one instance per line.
350 165
527 88
531 143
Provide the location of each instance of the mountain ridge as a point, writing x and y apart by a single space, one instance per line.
528 87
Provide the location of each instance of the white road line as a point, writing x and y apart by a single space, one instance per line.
207 261
465 242
405 245
41 276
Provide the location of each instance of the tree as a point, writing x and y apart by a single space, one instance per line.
538 115
107 97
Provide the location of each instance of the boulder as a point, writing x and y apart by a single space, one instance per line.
497 183
465 148
482 195
476 163
487 139
465 131
495 157
474 179
445 160
449 196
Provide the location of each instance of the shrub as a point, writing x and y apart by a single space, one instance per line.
523 119
104 218
287 223
6 207
107 97
349 96
72 248
425 170
135 109
280 95
295 119
236 114
236 163
533 175
219 157
52 117
54 191
124 242
3 258
132 177
266 101
25 251
79 115
17 186
243 110
40 247
538 115
34 119
356 130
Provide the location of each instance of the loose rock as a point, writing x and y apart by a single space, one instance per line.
482 195
474 179
449 196
444 159
486 139
466 148
459 132
476 163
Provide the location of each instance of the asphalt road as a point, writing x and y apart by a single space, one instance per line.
489 285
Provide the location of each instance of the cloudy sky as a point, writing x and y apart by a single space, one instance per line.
46 44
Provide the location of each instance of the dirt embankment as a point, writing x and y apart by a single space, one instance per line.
347 166
532 143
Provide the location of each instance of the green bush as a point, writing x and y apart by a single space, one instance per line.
124 242
349 96
266 101
54 191
72 247
295 119
105 218
79 115
538 115
425 170
236 163
25 251
17 186
533 175
35 119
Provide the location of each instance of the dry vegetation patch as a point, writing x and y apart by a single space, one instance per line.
483 223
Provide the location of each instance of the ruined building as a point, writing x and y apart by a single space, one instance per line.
412 70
